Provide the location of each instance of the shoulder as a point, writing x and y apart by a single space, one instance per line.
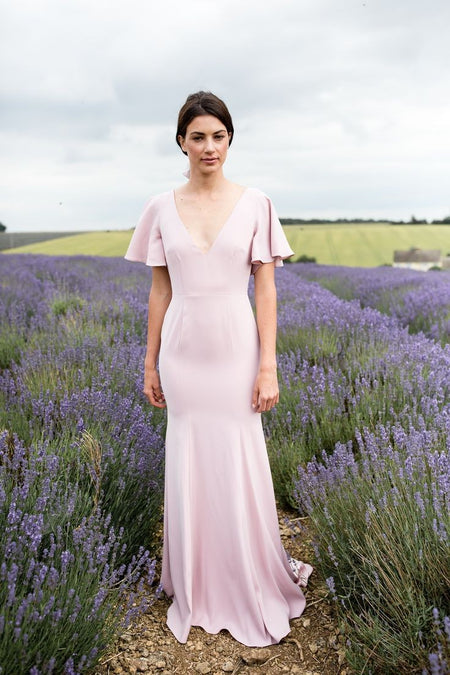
157 208
258 195
260 202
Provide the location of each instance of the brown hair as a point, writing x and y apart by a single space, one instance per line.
203 103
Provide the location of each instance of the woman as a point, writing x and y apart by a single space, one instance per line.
223 561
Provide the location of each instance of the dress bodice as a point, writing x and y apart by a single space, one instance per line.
251 235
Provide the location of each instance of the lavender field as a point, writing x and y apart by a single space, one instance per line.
360 442
419 301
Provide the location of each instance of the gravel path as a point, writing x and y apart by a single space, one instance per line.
315 645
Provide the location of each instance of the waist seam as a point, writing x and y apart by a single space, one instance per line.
208 295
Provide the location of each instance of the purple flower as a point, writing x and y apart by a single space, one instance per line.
331 586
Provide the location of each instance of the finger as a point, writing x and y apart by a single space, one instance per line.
156 403
255 398
273 402
268 404
159 399
262 404
153 399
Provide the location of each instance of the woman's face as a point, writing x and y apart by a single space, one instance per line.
206 143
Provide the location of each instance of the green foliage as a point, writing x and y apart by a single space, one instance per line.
81 465
355 390
379 542
65 596
60 306
11 345
92 456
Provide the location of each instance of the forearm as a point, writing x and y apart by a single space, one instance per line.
157 306
266 320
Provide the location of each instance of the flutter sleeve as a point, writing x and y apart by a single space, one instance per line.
146 244
269 241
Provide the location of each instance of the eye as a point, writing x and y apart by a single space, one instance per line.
220 137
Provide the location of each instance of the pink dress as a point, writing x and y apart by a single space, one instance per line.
223 561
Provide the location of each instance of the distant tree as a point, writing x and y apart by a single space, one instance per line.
444 221
306 259
342 221
2 227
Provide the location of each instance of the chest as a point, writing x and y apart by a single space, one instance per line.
204 220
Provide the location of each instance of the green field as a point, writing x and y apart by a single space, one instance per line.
360 245
113 243
364 245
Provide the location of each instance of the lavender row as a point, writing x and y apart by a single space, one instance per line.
419 300
63 592
81 461
383 544
341 368
361 443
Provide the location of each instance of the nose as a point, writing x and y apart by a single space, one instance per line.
209 144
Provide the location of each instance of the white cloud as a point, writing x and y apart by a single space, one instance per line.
340 109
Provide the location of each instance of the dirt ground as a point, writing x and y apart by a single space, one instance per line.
315 645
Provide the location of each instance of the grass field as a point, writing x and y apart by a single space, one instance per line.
359 245
364 245
109 244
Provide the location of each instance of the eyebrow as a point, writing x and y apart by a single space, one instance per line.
201 133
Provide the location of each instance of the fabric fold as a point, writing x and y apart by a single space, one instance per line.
269 241
146 242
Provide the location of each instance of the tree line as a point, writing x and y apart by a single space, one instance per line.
320 221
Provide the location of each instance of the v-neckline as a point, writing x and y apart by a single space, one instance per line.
220 230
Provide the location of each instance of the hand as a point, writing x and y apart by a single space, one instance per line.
152 388
265 392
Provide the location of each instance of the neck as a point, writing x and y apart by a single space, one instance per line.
209 183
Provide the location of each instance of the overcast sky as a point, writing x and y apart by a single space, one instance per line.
340 107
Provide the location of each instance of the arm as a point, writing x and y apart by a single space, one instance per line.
159 299
265 391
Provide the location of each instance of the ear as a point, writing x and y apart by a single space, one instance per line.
181 142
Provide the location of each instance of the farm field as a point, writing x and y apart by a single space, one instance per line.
351 245
359 443
109 244
364 245
10 240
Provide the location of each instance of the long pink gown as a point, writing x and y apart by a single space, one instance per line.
223 561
